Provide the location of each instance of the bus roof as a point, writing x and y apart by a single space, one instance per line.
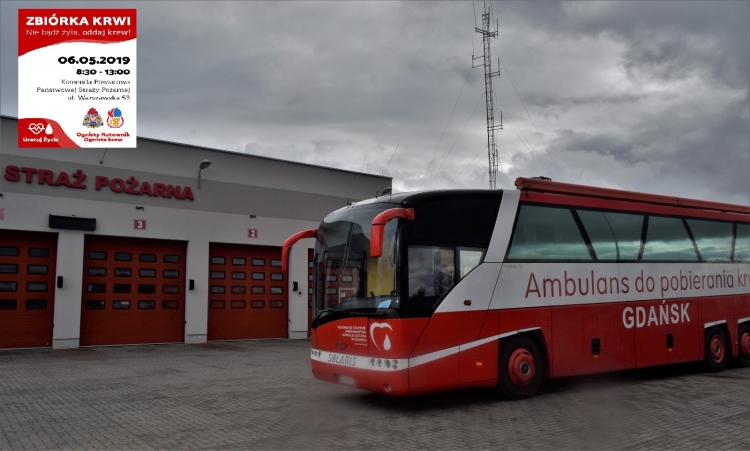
546 186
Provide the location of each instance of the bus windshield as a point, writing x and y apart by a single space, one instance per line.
347 279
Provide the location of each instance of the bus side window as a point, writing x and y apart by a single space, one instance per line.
742 244
547 233
431 275
614 236
668 240
713 238
468 259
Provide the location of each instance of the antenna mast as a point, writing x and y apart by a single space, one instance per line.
488 75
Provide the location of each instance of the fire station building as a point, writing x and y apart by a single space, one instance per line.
165 243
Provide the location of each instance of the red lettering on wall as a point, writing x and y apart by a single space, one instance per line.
62 179
29 173
145 189
101 181
117 185
173 191
160 189
45 176
12 173
187 193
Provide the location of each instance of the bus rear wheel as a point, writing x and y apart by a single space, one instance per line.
520 369
716 350
743 357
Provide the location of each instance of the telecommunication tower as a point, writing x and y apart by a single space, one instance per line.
487 34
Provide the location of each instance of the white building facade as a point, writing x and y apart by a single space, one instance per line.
121 246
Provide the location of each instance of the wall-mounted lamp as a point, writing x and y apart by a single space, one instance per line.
204 165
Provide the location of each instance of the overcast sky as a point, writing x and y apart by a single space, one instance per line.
650 96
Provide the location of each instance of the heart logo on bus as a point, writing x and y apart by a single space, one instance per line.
387 341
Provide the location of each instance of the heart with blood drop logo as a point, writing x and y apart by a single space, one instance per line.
36 128
386 341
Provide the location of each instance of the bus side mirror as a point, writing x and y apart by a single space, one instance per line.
378 227
311 233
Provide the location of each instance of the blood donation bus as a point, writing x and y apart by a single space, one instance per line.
429 291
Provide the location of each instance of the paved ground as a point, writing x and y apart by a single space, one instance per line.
261 395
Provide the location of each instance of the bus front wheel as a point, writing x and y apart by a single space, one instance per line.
717 353
521 368
743 358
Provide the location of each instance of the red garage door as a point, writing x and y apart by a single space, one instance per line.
27 288
247 294
133 291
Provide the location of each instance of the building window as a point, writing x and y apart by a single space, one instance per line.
97 271
42 252
171 273
121 305
218 260
146 289
8 269
276 263
147 257
170 305
259 262
95 305
217 289
147 305
259 276
171 259
258 290
276 304
94 255
37 269
257 304
123 256
36 304
238 275
238 304
8 251
121 288
7 304
277 290
277 276
218 274
147 273
36 286
123 272
238 260
96 288
217 304
238 290
170 289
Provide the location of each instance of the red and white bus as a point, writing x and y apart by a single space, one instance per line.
429 291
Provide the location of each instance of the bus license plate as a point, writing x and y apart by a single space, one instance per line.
346 380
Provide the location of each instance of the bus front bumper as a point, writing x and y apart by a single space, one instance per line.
390 376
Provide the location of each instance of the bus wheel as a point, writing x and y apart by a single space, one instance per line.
521 368
716 350
743 359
